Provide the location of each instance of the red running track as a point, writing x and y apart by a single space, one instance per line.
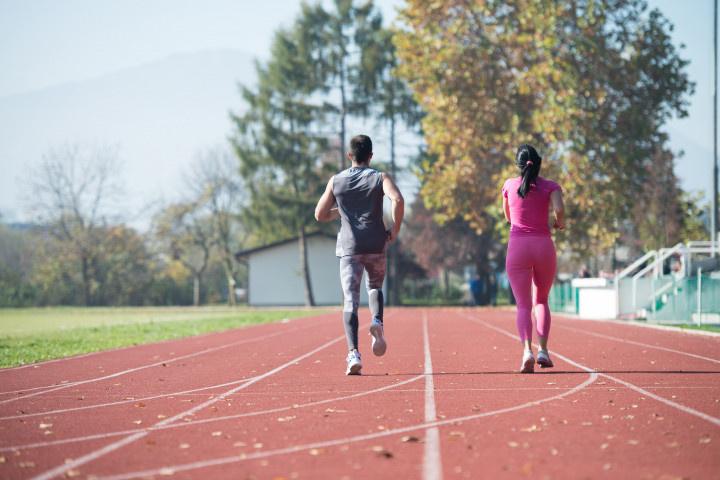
272 401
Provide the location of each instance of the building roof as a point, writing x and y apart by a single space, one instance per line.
246 253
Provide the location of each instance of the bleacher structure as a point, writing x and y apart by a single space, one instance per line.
680 284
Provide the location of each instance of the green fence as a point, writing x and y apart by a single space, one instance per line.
563 298
681 301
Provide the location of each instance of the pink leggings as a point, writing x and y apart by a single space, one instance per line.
531 263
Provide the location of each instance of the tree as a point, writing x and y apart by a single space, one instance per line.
335 43
589 82
453 245
73 191
186 236
279 149
392 103
218 190
16 264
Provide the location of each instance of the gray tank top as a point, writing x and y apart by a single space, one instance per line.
359 195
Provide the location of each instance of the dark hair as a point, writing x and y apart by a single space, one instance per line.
361 148
528 161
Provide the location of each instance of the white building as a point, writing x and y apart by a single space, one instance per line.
275 279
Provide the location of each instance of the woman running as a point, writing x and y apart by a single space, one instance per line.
531 253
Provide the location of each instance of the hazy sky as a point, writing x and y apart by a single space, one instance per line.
46 43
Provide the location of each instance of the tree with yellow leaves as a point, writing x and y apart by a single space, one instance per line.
589 83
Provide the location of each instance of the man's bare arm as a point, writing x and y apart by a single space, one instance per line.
325 210
398 205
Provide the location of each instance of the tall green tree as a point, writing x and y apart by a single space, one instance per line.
392 104
591 83
336 41
280 148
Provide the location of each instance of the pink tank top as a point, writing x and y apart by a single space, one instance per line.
529 215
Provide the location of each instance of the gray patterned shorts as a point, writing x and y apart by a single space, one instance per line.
351 271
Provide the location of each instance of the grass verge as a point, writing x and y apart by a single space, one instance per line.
705 327
37 345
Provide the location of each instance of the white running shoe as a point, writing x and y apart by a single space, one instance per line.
543 359
354 365
528 362
379 346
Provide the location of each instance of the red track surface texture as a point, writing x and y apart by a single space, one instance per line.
273 402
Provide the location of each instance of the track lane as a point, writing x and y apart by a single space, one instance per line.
490 419
602 426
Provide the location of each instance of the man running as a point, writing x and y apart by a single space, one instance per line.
358 193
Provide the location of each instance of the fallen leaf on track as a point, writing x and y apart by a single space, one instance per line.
184 445
137 422
513 444
380 451
72 473
315 452
531 428
705 440
239 444
409 439
216 434
45 425
258 445
2 460
26 464
286 419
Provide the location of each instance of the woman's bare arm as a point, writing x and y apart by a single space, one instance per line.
558 208
506 208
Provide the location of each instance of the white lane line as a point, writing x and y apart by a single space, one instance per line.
211 420
135 369
670 403
121 402
432 463
170 469
94 455
54 360
640 344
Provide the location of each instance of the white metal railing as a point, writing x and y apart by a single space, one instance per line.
657 263
656 267
627 271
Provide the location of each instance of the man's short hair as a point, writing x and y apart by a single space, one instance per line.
361 148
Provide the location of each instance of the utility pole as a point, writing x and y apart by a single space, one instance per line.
714 215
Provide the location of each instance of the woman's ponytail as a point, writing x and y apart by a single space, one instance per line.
528 161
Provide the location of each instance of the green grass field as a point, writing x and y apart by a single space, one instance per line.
36 334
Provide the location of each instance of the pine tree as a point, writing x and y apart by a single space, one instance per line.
279 148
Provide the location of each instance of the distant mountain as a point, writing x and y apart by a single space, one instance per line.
159 114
